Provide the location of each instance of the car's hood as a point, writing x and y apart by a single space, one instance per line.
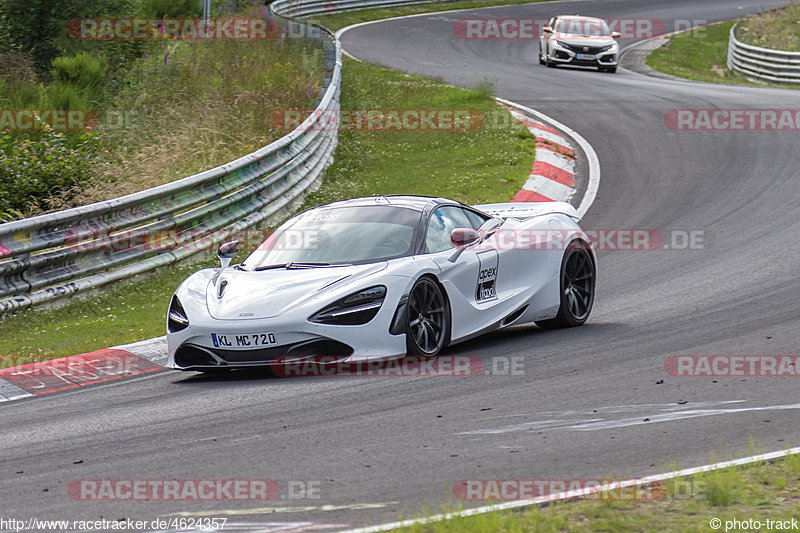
269 293
579 40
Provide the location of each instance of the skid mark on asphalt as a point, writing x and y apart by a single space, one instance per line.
648 414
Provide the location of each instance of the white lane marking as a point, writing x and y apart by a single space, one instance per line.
648 415
9 391
669 417
591 156
577 493
616 409
525 426
549 188
557 160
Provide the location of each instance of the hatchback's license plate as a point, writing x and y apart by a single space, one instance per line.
584 56
246 340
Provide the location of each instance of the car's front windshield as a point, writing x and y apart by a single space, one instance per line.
339 235
583 27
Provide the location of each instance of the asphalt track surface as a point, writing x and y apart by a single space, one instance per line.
379 448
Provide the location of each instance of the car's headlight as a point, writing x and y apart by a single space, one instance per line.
562 44
176 316
356 309
609 47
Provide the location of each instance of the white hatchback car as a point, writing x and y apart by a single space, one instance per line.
580 41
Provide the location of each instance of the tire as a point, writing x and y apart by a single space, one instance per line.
427 319
577 288
541 59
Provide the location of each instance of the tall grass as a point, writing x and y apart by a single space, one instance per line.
180 108
192 105
778 29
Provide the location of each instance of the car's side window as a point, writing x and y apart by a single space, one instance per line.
476 219
442 223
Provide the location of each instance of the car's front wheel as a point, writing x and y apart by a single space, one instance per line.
547 61
427 318
577 285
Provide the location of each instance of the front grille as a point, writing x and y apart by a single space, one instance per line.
189 355
589 49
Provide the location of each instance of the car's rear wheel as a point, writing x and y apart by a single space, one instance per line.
578 280
427 318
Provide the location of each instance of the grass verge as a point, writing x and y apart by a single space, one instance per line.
700 54
778 29
486 164
757 492
337 21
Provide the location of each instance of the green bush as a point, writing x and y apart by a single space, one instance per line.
39 28
34 169
81 70
171 8
63 96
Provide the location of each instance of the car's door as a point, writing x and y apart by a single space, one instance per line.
471 280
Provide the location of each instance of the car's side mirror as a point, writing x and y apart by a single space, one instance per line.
616 34
547 29
227 252
461 238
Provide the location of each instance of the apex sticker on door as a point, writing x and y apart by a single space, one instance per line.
487 276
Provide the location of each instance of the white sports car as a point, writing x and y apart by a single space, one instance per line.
383 277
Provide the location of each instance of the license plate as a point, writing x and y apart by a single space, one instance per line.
584 56
243 341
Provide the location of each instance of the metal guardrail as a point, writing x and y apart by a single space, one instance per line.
53 255
762 64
